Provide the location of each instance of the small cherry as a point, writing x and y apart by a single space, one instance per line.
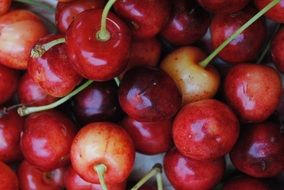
5 6
9 180
276 13
276 50
224 6
245 183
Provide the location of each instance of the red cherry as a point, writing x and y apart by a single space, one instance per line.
66 12
47 139
8 83
259 151
223 6
276 13
32 178
20 30
9 180
103 143
185 173
245 183
253 91
206 129
245 46
277 50
149 137
4 6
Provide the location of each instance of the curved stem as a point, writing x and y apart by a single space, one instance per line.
23 111
103 34
39 50
206 61
159 181
101 169
117 81
5 110
155 171
37 3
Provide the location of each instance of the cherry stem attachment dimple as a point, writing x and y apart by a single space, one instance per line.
39 50
206 61
37 3
23 111
155 171
103 34
101 169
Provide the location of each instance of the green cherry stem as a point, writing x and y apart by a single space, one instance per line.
101 169
155 171
23 111
39 50
103 34
206 61
37 3
117 81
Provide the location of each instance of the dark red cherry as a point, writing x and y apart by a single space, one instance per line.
146 18
149 94
185 173
53 71
31 94
246 46
245 183
188 23
94 58
259 151
66 12
149 137
276 13
277 50
47 138
223 6
8 83
9 180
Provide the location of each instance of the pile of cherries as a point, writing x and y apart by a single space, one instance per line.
127 76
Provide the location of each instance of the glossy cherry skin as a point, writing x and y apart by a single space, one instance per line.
188 23
223 6
47 139
20 30
259 151
276 50
245 183
73 181
92 58
253 91
9 180
8 83
149 94
103 143
53 71
186 173
149 137
4 6
146 18
31 178
276 13
205 130
11 127
67 12
31 94
247 45
98 102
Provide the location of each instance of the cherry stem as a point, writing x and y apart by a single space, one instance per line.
37 3
117 81
206 61
155 171
5 110
103 34
101 169
39 50
23 111
267 47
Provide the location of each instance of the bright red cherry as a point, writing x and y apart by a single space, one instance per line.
9 180
253 91
276 13
259 151
8 83
245 183
223 6
31 178
277 50
246 46
206 129
47 139
185 173
5 6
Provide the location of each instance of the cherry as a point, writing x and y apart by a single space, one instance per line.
66 12
245 183
47 139
146 18
31 94
9 180
224 6
276 13
259 151
187 173
187 24
149 137
11 127
101 152
276 50
5 6
20 30
52 71
253 91
149 94
31 177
